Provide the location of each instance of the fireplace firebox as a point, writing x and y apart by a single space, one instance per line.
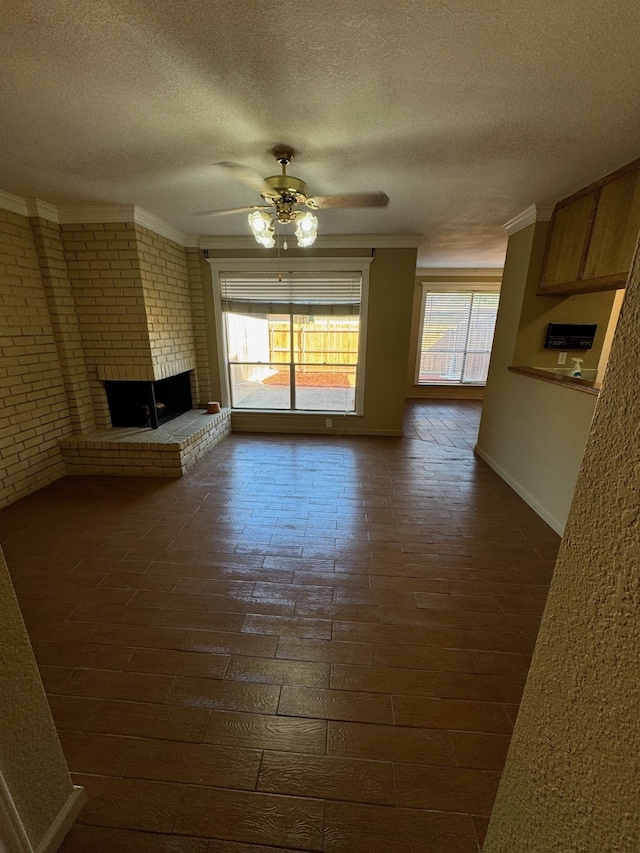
148 404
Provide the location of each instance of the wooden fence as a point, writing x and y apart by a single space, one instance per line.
313 345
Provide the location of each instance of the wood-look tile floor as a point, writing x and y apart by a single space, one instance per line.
307 643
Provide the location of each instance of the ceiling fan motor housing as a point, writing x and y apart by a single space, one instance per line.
286 185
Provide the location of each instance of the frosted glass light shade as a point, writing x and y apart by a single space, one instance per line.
268 240
261 225
306 229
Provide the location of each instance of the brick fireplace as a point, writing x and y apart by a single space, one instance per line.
85 305
138 305
148 404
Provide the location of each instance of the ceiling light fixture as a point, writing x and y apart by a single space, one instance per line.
263 224
307 229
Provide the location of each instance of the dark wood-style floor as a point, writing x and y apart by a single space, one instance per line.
307 643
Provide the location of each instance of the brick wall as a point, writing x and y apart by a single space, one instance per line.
34 413
104 269
167 302
133 299
64 320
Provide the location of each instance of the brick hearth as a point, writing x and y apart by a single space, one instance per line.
134 452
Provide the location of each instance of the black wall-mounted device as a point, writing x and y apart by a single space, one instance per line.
570 335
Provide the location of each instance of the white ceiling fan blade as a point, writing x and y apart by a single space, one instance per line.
230 210
249 177
321 202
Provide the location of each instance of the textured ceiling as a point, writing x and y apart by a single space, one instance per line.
464 113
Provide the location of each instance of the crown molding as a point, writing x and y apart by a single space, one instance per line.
159 226
534 213
86 215
94 213
14 203
43 209
100 213
89 214
458 272
328 241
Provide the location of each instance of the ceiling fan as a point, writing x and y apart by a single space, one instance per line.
284 195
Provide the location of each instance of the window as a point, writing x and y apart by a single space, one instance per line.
292 341
456 336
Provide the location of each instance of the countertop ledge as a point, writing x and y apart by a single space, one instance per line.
556 378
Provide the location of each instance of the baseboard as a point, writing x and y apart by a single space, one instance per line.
330 431
446 392
537 507
63 822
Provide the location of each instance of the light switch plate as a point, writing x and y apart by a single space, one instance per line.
562 358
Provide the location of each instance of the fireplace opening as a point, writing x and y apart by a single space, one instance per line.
148 404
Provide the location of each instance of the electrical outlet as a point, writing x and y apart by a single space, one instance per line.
562 358
328 422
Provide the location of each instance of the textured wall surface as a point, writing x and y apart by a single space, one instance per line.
571 781
31 760
34 412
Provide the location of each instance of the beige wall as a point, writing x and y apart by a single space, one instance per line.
538 311
532 433
391 287
31 760
201 306
571 778
34 412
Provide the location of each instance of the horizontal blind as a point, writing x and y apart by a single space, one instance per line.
446 321
459 322
303 293
457 335
482 321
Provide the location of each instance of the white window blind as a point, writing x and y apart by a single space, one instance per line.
457 334
302 293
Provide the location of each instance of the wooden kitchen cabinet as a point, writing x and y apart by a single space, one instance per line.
592 235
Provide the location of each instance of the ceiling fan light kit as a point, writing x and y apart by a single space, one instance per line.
263 228
283 195
307 229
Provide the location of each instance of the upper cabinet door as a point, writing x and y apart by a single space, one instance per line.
592 236
615 230
568 240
